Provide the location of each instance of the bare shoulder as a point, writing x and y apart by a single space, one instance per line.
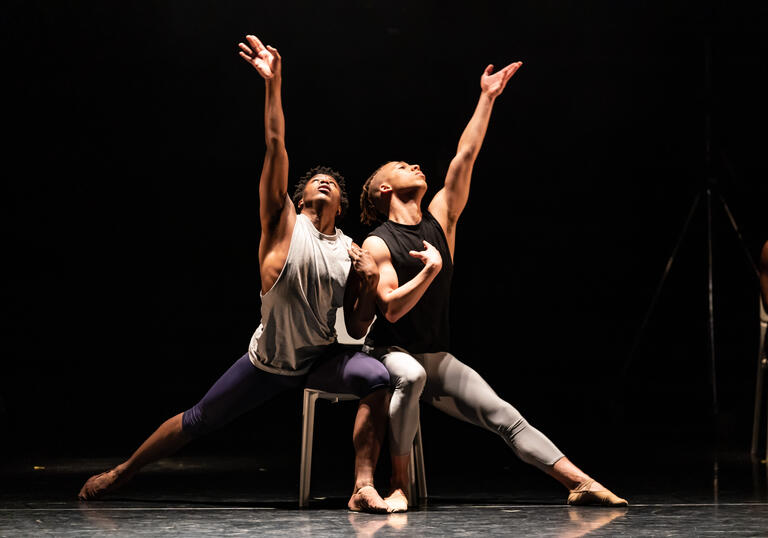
377 247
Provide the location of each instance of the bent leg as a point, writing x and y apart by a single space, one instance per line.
242 387
356 373
408 379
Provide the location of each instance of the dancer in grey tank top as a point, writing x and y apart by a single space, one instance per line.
414 252
308 269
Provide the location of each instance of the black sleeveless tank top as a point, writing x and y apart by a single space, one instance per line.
425 328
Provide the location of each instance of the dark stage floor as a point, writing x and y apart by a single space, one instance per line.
238 495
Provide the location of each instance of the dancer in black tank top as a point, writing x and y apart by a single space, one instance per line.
413 249
426 326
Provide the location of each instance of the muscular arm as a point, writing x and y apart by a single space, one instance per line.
764 275
449 202
360 292
275 208
273 185
395 300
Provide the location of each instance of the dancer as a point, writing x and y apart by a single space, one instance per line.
306 275
414 252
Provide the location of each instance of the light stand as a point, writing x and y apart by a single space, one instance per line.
707 192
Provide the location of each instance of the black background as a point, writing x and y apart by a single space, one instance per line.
134 142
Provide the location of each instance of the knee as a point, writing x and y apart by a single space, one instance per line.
194 422
411 380
506 420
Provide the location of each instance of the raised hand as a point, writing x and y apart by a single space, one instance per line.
364 265
266 60
493 84
430 256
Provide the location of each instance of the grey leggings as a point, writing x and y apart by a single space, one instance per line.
451 386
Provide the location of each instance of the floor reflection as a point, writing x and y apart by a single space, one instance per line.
366 525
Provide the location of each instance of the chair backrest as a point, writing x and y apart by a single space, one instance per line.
341 331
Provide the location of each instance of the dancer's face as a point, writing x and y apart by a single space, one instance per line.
322 189
400 175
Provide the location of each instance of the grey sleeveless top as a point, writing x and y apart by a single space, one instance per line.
298 313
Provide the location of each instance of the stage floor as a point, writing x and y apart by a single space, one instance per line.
228 496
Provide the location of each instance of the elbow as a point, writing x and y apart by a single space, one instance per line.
465 155
356 332
393 316
275 141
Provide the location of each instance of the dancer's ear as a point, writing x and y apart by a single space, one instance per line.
300 204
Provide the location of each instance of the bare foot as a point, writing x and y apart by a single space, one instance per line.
101 484
397 501
590 492
367 499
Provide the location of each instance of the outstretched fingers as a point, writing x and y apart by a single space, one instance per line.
255 43
511 69
245 49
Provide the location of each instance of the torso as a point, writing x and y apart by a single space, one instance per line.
299 303
425 328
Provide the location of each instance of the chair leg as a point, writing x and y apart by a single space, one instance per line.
421 478
411 493
307 437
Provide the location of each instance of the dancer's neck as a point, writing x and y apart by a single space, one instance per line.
405 211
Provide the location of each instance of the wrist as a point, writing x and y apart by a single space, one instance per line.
486 95
275 82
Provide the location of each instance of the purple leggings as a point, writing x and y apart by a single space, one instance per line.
244 386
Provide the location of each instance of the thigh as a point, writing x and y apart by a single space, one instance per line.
241 388
456 389
348 371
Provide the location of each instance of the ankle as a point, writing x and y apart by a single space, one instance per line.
360 484
395 485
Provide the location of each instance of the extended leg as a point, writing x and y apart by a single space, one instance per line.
456 389
242 387
166 440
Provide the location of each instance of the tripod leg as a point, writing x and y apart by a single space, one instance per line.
711 306
657 293
738 234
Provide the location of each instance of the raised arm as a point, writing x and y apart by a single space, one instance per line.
449 201
273 185
395 300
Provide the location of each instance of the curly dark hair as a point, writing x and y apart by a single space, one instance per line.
298 192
